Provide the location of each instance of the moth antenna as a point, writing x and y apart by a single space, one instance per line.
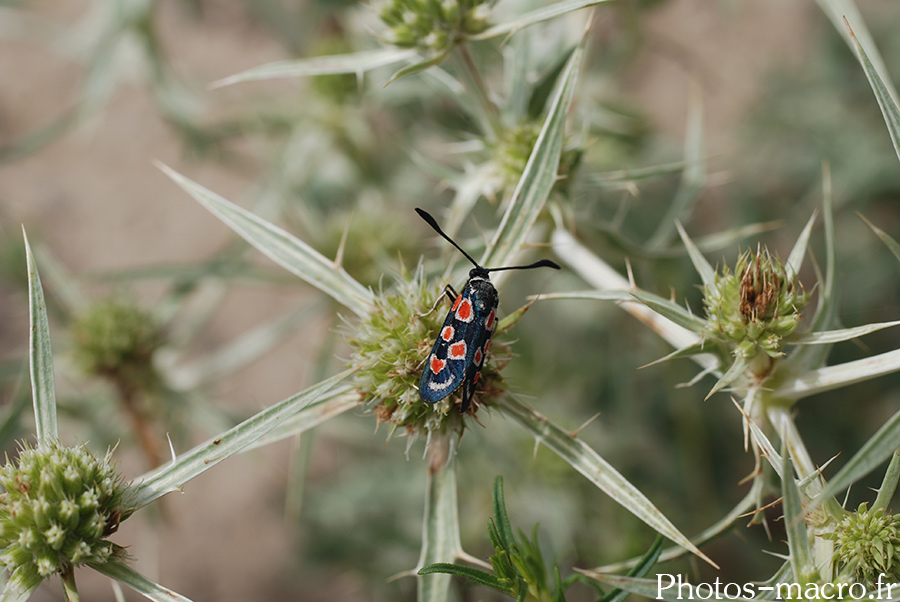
543 263
433 223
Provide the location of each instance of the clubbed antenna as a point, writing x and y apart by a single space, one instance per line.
543 263
433 223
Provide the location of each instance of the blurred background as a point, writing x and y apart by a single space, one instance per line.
92 92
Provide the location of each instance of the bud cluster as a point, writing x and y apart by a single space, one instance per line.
755 307
433 25
60 505
116 339
867 544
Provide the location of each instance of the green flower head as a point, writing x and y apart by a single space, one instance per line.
755 307
391 346
433 25
60 505
867 544
115 339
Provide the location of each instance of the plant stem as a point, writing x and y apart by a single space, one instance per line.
478 85
69 587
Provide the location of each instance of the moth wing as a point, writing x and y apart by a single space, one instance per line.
477 353
445 367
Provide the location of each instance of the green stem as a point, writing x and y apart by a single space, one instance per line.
69 587
476 82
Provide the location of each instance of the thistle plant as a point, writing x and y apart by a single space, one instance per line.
759 344
762 335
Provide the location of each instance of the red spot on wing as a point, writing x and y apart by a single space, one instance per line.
437 365
457 351
477 376
456 303
489 323
447 333
464 311
487 344
477 357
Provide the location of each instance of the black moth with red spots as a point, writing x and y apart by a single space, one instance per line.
462 344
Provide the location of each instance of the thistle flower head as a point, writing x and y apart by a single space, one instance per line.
433 25
60 505
391 345
755 307
116 339
867 544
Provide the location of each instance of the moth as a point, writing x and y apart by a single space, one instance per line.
462 343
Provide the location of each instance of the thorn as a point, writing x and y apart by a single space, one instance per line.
628 269
171 448
574 434
339 257
771 504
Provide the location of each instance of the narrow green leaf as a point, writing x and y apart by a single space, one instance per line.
824 379
598 471
501 518
732 374
533 17
440 529
281 247
747 503
475 575
795 523
795 259
889 242
336 402
836 336
643 567
768 449
841 11
420 66
693 350
139 583
889 483
542 90
539 175
703 267
809 357
356 62
883 92
594 295
876 450
522 596
172 476
40 355
671 311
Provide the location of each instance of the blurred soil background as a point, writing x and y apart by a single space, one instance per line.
92 198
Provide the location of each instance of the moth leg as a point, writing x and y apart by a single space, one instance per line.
468 394
451 294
